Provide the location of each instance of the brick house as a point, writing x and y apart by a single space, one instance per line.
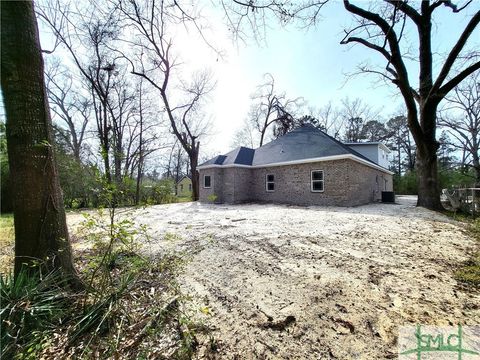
303 167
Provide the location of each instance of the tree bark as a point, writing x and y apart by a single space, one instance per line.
193 155
41 234
427 178
427 162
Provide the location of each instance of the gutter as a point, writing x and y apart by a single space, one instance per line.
303 161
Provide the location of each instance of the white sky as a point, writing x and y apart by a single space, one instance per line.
305 63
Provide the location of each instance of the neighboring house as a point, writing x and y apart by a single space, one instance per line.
303 167
184 187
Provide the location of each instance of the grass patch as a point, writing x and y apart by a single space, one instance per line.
469 272
7 243
171 237
183 199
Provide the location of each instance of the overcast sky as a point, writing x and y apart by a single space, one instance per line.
308 63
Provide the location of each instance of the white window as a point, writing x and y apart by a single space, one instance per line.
207 181
270 182
316 181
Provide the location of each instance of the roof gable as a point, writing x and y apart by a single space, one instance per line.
306 142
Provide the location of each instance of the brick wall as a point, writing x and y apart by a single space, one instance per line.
346 183
216 185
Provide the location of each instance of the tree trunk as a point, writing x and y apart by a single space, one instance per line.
41 233
426 163
427 180
195 185
140 152
117 160
476 168
193 169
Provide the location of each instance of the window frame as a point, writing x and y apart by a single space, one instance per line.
204 185
269 182
312 181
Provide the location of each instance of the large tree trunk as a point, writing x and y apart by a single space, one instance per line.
41 233
426 162
427 179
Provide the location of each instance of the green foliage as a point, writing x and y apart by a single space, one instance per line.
455 178
7 242
113 239
79 182
160 192
212 198
406 184
5 181
29 304
172 237
469 272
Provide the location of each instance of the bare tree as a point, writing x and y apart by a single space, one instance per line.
272 108
400 141
353 116
41 233
69 106
152 59
461 116
380 28
329 119
93 31
246 136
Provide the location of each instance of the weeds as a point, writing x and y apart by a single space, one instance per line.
134 314
171 237
131 304
126 309
31 307
469 272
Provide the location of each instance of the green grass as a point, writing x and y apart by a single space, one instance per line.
7 241
469 272
182 199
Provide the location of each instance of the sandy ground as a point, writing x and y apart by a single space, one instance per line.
283 282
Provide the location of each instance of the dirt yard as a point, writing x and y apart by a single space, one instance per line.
283 282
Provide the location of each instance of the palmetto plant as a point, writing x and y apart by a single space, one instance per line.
28 303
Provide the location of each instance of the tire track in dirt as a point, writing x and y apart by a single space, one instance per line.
349 276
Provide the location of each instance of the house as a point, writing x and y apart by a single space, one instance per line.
375 151
184 187
303 167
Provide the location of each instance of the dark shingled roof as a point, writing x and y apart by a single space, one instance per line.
239 156
306 142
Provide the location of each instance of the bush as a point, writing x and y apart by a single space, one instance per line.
160 192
